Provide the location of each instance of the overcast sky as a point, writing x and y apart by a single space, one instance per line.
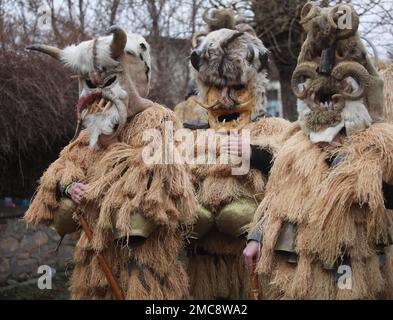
377 25
376 22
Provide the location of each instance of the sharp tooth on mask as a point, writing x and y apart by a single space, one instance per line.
101 104
224 120
108 105
92 106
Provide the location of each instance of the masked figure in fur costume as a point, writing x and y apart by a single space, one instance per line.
324 225
230 70
136 211
190 111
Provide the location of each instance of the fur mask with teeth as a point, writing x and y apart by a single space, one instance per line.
114 76
334 92
230 70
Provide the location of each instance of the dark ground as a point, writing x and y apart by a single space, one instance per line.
30 291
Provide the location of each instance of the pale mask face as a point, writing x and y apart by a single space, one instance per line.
109 69
104 103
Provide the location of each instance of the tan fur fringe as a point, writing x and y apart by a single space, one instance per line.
220 271
120 184
337 211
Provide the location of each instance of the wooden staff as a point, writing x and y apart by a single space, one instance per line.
254 284
104 265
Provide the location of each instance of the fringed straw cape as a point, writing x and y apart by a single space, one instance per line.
216 266
338 212
120 184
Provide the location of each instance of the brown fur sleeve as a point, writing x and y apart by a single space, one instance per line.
64 170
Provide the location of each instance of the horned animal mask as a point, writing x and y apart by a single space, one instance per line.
335 82
230 70
113 73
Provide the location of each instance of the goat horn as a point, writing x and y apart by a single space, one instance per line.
308 12
52 51
118 42
251 53
195 37
207 19
355 70
308 69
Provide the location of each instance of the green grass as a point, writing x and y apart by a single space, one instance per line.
30 290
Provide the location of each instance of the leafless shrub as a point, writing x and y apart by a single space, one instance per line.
36 104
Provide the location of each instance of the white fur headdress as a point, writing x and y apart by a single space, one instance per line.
80 57
100 52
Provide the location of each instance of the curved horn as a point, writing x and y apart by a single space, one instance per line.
251 53
351 30
195 37
308 69
196 58
356 71
118 42
209 21
52 51
309 11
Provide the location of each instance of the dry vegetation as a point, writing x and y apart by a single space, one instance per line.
36 104
36 118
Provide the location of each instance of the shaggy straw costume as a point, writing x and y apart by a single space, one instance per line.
121 185
330 192
216 267
387 76
337 211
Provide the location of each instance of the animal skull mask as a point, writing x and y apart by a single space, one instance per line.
230 70
113 73
335 82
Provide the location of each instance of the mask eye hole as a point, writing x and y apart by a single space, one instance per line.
90 84
239 87
195 59
110 81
